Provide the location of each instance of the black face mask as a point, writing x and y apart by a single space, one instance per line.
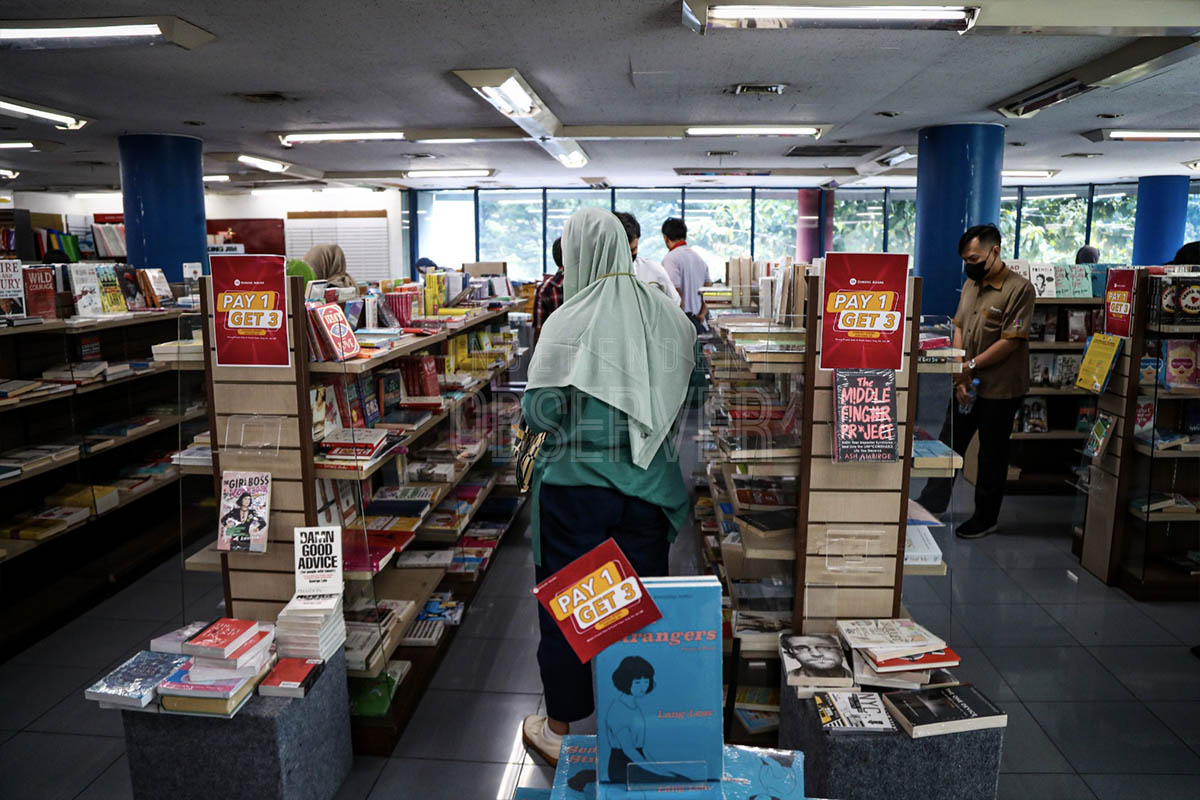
976 272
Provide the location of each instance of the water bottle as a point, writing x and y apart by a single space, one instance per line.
964 408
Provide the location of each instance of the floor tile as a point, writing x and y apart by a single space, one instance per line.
88 642
1159 787
920 589
511 576
445 780
1181 619
977 670
1011 626
1010 552
1042 787
361 780
1114 737
1095 624
113 784
27 691
1027 749
942 621
467 726
1055 674
502 618
1066 585
148 600
536 775
490 665
48 766
1181 717
74 714
986 586
1154 673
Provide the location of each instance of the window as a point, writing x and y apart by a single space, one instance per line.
651 207
858 220
446 227
1192 232
1053 223
776 217
1009 200
561 204
510 230
362 235
718 222
1113 212
902 221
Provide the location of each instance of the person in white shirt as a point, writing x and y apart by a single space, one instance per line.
687 271
649 272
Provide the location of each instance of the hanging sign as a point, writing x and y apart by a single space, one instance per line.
864 415
864 297
249 302
1118 301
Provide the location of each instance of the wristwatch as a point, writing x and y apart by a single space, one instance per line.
971 365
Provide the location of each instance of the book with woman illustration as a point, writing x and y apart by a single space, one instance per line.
658 691
245 511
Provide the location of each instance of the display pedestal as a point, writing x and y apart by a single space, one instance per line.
274 748
870 766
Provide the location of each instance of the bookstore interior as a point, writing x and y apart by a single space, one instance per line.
615 407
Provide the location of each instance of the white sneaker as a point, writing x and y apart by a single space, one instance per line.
536 733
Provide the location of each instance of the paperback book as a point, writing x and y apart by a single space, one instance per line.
12 290
111 298
39 292
853 712
85 290
814 659
134 683
245 511
948 709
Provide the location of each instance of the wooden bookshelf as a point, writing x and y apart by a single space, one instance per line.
1069 301
1050 435
1057 345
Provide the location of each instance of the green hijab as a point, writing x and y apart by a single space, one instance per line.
614 337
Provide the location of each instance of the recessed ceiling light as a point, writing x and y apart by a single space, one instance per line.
753 130
16 145
44 34
216 179
97 195
792 15
262 163
449 173
8 174
1029 173
23 110
720 153
1154 135
289 139
1192 165
1060 196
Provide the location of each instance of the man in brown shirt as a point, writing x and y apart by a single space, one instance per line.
992 326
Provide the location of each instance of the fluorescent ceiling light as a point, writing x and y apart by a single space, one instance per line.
279 192
9 174
1063 196
753 130
289 139
42 34
509 94
22 110
566 151
1029 173
1153 135
97 195
449 173
446 141
16 145
700 16
263 163
216 179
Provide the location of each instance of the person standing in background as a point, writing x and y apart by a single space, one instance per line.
549 295
650 272
328 263
687 271
992 326
1087 255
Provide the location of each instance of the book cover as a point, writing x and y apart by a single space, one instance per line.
756 722
112 300
135 682
12 290
131 288
1041 369
173 642
853 712
892 637
245 511
1099 357
85 290
934 659
757 698
658 690
221 638
159 289
814 659
335 330
1043 279
596 600
1098 437
1033 415
39 292
751 773
948 709
291 677
575 775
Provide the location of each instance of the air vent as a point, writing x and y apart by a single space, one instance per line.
720 153
759 88
831 150
739 172
418 155
596 182
1082 155
92 164
266 98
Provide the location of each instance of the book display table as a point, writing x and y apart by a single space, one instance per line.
274 748
866 766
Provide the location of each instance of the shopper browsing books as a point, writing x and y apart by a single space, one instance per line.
992 326
549 295
328 263
649 272
605 384
687 270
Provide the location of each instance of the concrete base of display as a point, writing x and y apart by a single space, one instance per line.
274 749
894 766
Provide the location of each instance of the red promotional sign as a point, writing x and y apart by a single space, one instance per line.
1118 301
864 297
249 301
596 600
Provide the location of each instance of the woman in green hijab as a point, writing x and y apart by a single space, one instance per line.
607 380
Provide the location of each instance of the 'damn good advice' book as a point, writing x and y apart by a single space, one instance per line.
658 691
245 511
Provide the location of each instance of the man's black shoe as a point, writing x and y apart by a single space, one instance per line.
975 528
932 508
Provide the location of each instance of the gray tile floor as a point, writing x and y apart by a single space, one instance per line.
1102 694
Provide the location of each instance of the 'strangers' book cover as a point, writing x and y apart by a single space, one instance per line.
85 290
133 684
575 776
949 709
112 300
39 292
759 772
815 659
245 511
12 290
658 691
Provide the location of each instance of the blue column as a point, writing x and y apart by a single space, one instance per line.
162 180
958 185
1161 221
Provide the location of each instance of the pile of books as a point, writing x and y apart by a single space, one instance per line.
39 525
474 550
79 373
310 626
178 350
896 653
757 708
932 711
355 448
16 391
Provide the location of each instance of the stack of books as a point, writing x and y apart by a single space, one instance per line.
897 654
79 373
310 626
813 662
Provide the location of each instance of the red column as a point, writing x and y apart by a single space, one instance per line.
808 224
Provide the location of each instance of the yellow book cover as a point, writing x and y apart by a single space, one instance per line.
215 705
1098 361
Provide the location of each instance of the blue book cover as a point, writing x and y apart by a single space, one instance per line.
526 793
757 772
658 691
575 777
134 683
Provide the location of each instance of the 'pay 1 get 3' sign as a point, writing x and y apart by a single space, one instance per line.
600 599
250 310
864 313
